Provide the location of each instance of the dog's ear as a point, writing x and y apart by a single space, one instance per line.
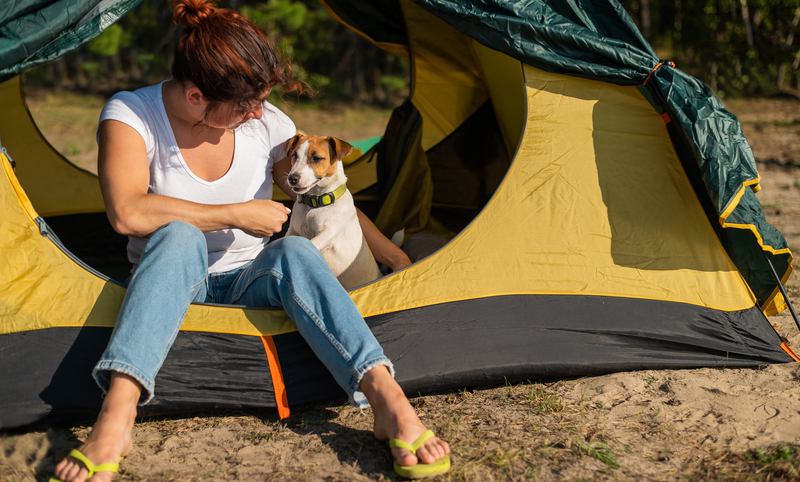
339 149
291 144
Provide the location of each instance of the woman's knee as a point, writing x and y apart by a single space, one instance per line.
180 232
180 238
296 247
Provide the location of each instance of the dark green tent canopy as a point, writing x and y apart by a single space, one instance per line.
37 31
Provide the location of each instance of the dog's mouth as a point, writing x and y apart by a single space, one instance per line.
303 189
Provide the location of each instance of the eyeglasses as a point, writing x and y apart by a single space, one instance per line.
250 105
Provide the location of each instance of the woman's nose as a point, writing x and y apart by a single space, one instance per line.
255 113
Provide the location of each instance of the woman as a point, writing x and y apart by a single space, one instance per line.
186 169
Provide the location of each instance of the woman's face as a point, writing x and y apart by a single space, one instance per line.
230 115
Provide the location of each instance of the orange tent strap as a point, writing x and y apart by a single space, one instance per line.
281 398
785 347
658 66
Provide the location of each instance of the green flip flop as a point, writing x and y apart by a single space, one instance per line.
90 466
420 470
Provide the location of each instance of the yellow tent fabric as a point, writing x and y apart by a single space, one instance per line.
562 220
40 167
595 203
446 86
42 287
503 77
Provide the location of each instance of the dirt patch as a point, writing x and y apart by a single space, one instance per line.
705 424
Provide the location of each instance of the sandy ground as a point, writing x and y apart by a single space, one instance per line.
706 424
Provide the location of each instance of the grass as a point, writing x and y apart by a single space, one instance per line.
776 463
599 451
545 401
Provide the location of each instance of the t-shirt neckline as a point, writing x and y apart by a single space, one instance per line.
177 150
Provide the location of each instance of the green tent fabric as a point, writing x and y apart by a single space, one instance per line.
595 39
37 31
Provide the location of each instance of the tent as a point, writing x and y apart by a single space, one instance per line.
592 209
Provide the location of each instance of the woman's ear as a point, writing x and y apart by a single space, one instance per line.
194 96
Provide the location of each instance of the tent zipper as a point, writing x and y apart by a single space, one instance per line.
8 156
45 230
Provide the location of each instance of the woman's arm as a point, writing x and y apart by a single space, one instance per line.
124 178
383 249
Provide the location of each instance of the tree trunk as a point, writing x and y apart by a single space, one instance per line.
644 17
748 28
677 24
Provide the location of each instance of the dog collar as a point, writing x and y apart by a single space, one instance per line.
323 199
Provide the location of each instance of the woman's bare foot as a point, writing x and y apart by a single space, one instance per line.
396 418
110 438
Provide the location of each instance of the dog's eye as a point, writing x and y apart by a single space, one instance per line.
294 156
316 158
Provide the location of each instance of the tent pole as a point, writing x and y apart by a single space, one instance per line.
783 290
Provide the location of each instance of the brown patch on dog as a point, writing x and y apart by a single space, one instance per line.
339 148
291 144
323 153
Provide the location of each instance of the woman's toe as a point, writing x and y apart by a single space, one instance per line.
70 472
425 454
81 474
404 457
436 451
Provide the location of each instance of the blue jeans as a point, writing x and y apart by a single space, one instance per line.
289 273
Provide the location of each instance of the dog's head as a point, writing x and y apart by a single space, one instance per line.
313 159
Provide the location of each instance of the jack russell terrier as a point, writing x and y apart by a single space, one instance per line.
324 211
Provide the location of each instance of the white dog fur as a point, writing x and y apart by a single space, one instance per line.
334 229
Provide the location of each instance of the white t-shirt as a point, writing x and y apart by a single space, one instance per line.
258 144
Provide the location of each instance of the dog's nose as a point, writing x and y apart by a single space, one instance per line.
293 179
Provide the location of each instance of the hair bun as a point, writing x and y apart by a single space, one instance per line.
191 12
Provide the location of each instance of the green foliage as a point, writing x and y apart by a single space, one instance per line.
108 43
738 47
303 33
325 55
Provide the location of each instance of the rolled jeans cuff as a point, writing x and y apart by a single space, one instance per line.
102 376
357 397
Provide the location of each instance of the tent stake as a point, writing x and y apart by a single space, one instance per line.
783 291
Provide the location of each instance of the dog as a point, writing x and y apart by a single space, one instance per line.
324 211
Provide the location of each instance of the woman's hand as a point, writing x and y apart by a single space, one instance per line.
395 258
383 249
260 217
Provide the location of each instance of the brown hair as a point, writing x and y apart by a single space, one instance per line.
227 57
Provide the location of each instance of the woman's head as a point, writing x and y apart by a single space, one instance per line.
230 60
